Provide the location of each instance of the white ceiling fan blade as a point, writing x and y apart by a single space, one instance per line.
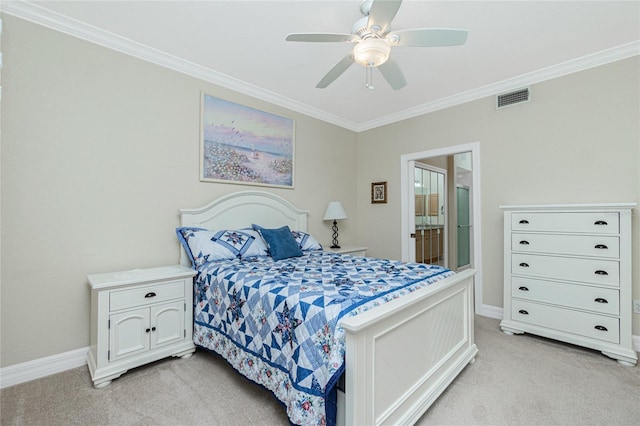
428 37
321 38
336 71
382 13
392 73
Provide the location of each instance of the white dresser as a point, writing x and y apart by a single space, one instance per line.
137 317
567 275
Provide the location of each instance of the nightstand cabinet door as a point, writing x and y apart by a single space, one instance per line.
128 334
167 324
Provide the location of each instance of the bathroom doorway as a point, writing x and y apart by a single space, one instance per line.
464 169
430 214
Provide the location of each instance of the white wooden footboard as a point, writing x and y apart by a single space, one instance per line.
402 355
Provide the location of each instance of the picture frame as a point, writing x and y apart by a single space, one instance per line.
378 192
244 145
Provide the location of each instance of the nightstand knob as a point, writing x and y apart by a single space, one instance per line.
524 242
601 328
524 222
523 288
524 265
600 222
150 294
601 246
601 272
523 312
153 329
601 300
148 330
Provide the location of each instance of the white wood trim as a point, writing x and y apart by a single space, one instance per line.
38 368
41 16
406 242
43 367
443 313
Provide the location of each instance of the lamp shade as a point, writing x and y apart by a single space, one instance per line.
335 211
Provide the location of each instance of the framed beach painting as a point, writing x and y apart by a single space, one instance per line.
244 145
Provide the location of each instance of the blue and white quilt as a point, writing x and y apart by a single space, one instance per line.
277 322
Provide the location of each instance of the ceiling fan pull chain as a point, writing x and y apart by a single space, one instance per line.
369 78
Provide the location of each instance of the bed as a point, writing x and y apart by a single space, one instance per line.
396 350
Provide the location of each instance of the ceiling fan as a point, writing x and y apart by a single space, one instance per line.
373 40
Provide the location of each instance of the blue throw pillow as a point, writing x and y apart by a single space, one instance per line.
280 242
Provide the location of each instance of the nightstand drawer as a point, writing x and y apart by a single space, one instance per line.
592 271
584 222
578 245
581 323
595 299
145 295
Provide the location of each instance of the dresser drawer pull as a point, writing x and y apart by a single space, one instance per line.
148 330
150 294
601 247
524 242
600 222
526 265
523 288
601 328
524 222
601 272
600 300
523 312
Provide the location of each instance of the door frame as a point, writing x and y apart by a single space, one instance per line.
407 206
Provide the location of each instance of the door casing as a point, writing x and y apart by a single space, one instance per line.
407 205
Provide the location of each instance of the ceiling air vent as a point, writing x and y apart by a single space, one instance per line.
512 98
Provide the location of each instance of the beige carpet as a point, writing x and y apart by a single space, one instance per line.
516 380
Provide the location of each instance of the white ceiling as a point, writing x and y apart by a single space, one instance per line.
241 45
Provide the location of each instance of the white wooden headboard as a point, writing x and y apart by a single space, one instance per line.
241 210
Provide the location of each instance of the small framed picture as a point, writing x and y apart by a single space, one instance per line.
378 192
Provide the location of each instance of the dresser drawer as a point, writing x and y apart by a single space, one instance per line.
585 222
144 295
579 245
581 323
596 299
592 271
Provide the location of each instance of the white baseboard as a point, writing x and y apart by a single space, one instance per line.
491 312
31 370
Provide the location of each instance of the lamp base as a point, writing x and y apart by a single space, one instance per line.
334 244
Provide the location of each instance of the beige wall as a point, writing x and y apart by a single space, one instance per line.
99 151
577 141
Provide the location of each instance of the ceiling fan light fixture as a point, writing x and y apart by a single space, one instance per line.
371 52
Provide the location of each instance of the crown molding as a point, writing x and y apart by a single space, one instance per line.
579 64
64 24
31 12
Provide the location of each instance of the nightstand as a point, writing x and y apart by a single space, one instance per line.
137 317
352 250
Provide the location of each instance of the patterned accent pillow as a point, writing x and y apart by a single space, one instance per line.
204 246
306 241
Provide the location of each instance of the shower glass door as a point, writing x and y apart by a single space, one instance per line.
464 227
